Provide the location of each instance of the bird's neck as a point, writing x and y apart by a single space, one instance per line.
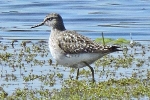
59 27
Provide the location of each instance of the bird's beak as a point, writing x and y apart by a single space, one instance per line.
38 25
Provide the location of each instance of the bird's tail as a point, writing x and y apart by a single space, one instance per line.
114 48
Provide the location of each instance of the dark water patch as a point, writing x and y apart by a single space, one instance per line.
97 13
18 30
10 12
30 40
17 6
16 13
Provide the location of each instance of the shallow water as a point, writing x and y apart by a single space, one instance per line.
115 19
90 18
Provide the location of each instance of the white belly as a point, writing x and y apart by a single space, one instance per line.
77 60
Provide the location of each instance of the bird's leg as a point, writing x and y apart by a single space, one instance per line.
77 74
93 79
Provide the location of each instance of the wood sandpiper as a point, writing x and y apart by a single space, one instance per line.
71 49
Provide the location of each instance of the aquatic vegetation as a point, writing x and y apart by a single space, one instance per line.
118 41
107 40
121 41
111 89
3 94
29 64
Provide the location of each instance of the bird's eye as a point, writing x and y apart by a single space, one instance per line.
49 19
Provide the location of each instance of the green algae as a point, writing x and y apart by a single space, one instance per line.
111 89
118 41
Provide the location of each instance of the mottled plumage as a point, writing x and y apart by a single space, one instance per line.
71 49
74 43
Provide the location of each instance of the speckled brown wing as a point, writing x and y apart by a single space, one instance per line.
73 43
